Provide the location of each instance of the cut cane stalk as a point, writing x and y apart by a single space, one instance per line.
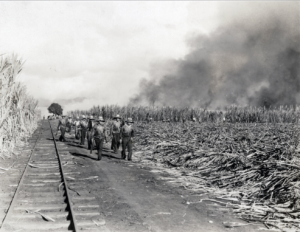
47 218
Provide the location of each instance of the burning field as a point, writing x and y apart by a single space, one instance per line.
223 114
255 167
248 157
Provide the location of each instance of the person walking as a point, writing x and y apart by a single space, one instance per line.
89 131
83 127
99 135
62 123
77 128
69 124
115 131
127 134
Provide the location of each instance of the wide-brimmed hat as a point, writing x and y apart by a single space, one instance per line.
91 117
83 116
117 116
129 120
63 115
100 119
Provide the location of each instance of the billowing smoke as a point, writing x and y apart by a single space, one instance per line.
253 58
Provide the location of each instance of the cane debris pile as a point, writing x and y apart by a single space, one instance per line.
256 166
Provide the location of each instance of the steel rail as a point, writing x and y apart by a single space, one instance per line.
73 221
12 202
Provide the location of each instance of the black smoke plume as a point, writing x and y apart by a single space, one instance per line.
253 58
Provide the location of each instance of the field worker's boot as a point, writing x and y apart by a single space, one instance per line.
123 155
129 155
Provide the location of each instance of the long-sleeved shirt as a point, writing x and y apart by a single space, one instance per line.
62 122
127 131
83 124
115 127
90 126
99 132
69 123
76 123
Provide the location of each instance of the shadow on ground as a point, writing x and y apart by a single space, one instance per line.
93 157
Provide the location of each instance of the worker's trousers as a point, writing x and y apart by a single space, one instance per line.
83 134
62 134
77 133
89 139
99 147
126 143
115 143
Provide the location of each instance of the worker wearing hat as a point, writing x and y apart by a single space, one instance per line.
89 131
83 127
62 123
127 134
115 131
99 135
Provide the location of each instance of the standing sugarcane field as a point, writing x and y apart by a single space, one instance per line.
144 116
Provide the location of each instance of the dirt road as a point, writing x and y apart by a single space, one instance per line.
133 197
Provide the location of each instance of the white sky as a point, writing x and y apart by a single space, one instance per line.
97 51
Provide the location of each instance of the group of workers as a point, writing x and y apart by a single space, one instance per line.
94 130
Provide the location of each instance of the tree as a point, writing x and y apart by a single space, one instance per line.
55 108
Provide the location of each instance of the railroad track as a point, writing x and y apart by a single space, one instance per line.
12 171
44 200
